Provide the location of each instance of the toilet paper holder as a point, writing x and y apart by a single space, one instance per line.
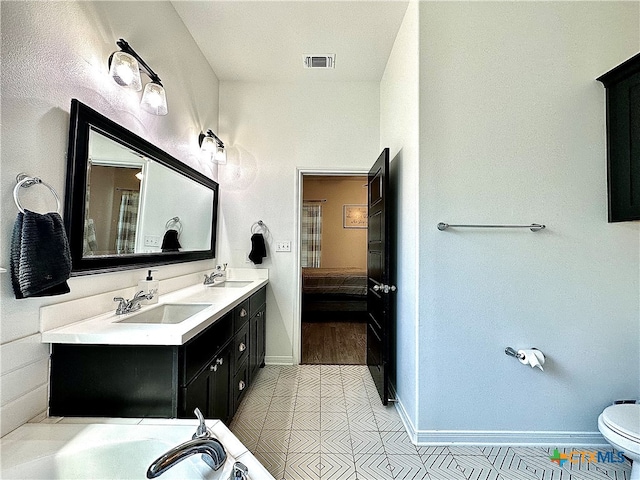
532 356
512 353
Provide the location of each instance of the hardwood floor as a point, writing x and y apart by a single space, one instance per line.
334 343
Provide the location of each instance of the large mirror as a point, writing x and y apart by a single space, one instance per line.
129 204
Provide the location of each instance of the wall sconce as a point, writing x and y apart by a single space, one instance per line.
209 142
125 67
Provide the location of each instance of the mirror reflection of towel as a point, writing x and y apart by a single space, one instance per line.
40 255
170 241
258 248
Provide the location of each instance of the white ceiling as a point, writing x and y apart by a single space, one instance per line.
266 40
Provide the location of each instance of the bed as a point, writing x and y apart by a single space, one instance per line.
333 290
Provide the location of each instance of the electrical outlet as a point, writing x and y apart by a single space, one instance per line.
283 246
151 241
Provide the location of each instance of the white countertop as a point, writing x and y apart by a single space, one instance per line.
105 330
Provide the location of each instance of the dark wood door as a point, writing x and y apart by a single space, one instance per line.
380 321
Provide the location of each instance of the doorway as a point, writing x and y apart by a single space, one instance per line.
333 268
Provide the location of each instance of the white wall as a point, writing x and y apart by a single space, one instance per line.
399 130
512 130
53 52
274 128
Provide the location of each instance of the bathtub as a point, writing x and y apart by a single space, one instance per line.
96 448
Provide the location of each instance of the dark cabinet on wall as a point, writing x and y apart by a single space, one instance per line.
211 372
623 140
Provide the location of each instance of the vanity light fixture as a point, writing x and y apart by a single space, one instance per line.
125 67
209 142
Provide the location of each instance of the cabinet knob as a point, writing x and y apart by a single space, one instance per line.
243 313
213 368
241 385
242 347
259 314
220 361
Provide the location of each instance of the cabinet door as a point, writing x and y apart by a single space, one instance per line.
623 139
220 375
196 395
239 385
623 118
241 342
209 390
257 344
240 315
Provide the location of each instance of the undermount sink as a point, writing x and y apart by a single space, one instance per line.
233 284
167 313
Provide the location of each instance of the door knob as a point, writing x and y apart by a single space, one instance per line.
384 288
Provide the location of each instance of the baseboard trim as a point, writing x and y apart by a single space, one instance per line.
497 437
279 360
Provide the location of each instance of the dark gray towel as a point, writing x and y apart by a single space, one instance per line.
40 255
258 248
170 242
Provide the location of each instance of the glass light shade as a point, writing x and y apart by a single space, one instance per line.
221 155
125 71
154 100
209 144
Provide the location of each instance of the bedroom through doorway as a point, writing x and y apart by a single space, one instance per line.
333 255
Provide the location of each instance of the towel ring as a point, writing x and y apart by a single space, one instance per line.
26 181
259 227
174 223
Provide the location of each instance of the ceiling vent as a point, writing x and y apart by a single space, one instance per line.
320 61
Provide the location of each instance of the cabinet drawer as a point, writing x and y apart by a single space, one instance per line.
257 300
239 384
240 315
240 346
199 350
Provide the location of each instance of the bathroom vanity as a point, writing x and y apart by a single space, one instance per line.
200 347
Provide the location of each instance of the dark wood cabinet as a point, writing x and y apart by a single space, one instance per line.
623 140
209 390
211 372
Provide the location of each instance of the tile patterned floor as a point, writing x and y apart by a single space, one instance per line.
325 422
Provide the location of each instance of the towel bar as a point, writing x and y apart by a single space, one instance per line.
534 227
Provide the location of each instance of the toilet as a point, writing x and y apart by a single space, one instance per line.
620 426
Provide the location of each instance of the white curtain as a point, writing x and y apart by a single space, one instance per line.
311 235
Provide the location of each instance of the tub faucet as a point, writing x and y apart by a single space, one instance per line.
128 306
213 453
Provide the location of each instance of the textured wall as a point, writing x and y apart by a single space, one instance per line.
53 52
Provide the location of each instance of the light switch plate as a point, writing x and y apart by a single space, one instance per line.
283 246
151 241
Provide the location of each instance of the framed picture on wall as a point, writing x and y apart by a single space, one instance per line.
354 216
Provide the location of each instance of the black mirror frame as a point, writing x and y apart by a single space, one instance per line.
81 121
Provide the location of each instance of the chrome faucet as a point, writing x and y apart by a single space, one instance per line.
213 453
128 306
239 472
209 279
